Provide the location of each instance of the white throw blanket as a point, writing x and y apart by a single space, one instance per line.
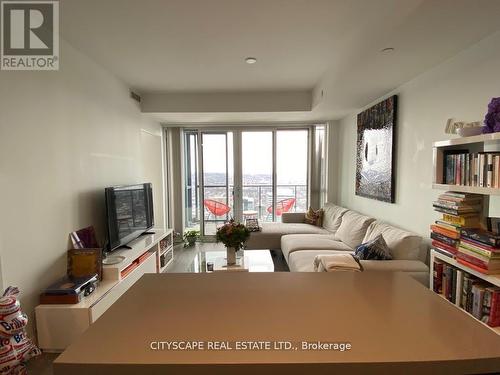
336 262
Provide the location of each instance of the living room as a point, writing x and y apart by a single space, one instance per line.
257 112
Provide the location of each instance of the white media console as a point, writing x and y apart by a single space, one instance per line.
59 325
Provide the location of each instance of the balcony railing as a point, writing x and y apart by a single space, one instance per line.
256 197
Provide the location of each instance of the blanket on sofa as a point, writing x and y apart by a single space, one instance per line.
337 262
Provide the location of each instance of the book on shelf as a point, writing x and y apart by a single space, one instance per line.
479 246
475 296
469 221
481 256
477 300
447 281
481 235
474 249
491 306
453 234
480 169
447 225
487 265
444 239
458 211
465 300
438 276
455 198
479 269
444 248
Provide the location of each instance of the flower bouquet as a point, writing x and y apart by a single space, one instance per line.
233 235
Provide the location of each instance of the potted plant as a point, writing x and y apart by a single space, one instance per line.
233 235
190 237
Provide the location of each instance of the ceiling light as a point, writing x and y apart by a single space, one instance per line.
250 60
387 50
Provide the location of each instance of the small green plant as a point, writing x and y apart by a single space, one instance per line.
233 234
190 237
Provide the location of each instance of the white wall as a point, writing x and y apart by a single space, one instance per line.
460 88
64 136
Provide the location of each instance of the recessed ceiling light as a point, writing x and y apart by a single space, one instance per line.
250 60
387 50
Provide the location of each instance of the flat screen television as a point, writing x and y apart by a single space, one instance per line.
129 211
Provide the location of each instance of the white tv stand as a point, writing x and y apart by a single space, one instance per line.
59 325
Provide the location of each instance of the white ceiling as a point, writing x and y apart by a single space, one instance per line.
199 46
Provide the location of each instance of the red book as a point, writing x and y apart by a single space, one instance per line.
444 246
476 268
475 261
494 318
438 276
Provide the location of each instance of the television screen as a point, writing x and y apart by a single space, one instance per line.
129 213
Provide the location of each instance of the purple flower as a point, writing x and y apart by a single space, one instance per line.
492 118
487 130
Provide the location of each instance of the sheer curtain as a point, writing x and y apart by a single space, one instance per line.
319 166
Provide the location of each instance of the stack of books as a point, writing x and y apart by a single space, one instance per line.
477 297
479 250
479 169
460 210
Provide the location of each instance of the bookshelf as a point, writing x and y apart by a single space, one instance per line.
475 144
492 279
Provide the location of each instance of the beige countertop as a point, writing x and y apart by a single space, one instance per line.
393 324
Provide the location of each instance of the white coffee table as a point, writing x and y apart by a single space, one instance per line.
246 261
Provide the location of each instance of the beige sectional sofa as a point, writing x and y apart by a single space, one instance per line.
342 231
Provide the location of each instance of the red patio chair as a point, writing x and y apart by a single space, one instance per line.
216 208
282 206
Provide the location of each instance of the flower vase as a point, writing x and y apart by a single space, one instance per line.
231 256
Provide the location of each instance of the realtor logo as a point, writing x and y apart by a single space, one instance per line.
29 35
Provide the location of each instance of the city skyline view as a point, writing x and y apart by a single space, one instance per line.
291 155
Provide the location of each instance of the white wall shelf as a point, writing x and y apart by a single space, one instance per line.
482 138
474 144
467 189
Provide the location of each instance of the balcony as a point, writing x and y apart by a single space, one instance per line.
256 202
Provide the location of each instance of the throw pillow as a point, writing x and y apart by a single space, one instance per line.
314 217
375 249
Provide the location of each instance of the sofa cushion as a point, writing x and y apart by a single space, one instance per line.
295 242
270 235
314 217
353 228
332 216
303 261
375 249
403 244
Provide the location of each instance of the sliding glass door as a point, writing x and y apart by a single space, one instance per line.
292 160
257 174
260 173
217 178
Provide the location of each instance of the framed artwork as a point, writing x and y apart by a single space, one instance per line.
83 238
376 150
